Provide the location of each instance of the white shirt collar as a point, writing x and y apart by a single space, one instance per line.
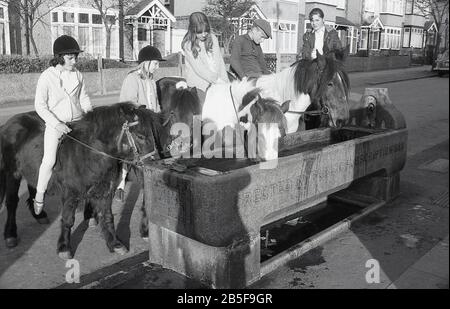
320 30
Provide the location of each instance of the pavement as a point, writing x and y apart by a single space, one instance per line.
407 238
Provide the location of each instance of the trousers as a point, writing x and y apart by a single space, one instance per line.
51 140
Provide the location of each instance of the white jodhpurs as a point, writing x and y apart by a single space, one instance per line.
121 185
51 140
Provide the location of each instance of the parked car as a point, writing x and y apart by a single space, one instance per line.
441 63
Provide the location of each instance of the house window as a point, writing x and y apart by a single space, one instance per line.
142 34
352 39
409 6
390 38
96 19
393 6
83 18
416 37
114 52
97 38
88 31
286 33
2 39
69 30
363 41
68 17
374 39
83 37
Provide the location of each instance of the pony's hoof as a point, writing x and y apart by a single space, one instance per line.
121 250
37 207
65 255
11 242
120 195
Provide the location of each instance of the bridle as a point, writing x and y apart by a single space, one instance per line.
138 160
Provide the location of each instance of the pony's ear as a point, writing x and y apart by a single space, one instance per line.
285 106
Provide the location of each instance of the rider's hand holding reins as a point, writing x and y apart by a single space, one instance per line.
63 128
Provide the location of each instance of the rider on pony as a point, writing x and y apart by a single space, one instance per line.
320 39
60 98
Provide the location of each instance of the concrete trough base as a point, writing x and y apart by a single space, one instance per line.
217 267
234 266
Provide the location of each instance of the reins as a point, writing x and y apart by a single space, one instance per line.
138 160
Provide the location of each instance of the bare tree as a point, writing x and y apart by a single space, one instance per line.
32 12
107 12
224 17
437 10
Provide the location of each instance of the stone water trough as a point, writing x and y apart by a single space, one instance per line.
205 222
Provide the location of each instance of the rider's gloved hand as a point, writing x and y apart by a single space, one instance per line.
63 128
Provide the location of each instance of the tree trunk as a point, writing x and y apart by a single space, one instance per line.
436 48
27 28
121 30
108 42
36 52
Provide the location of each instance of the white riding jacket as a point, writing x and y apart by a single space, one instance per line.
61 96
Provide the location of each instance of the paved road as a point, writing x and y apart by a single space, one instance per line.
9 110
424 103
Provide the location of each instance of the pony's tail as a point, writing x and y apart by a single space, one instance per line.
2 176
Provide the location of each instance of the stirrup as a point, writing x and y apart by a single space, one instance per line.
38 206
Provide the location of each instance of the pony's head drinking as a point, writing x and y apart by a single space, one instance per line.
318 86
330 92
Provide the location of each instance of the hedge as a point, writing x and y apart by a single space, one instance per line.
26 64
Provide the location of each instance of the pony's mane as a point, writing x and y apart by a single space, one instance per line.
306 76
107 116
274 107
241 88
310 78
185 101
332 67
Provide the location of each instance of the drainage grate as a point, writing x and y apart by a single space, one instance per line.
441 200
438 165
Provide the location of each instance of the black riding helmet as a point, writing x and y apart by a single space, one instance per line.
149 53
66 44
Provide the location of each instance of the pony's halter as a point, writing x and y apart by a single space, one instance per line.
138 159
323 111
167 121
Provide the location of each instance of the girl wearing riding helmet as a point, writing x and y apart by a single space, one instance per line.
139 87
60 98
204 61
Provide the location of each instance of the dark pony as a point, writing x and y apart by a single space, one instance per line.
179 104
328 85
83 176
